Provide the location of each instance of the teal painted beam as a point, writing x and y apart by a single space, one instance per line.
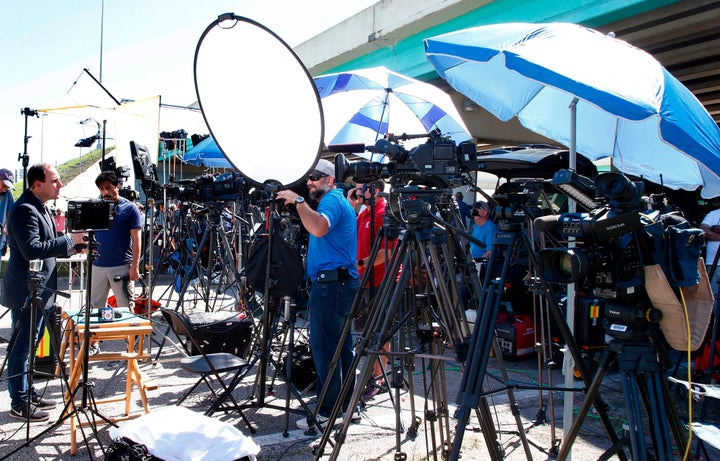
408 55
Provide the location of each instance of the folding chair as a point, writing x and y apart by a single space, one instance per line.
208 366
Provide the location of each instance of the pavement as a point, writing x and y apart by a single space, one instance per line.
382 434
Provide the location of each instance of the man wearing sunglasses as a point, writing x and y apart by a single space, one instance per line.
331 268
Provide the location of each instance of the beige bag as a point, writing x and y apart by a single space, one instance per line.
699 300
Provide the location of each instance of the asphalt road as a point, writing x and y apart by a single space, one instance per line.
383 433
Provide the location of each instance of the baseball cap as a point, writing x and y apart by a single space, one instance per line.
481 204
8 178
324 168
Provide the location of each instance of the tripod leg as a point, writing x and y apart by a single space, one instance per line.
480 344
590 398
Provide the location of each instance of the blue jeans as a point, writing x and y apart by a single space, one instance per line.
17 360
330 305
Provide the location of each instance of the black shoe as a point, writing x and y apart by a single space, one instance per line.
43 404
36 415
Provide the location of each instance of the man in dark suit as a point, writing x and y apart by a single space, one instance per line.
31 236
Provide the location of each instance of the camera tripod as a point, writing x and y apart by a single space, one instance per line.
643 382
424 251
506 242
34 306
217 241
87 408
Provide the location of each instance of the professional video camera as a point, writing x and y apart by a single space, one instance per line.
439 161
85 215
123 174
206 187
614 244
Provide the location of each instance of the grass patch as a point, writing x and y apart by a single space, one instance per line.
72 168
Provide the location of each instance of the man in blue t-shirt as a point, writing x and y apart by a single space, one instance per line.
484 230
330 266
118 249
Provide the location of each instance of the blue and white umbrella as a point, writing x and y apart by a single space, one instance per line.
626 105
363 105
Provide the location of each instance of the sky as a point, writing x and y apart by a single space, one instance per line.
148 48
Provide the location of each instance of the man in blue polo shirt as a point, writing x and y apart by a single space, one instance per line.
331 269
118 249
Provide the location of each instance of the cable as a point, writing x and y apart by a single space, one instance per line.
689 375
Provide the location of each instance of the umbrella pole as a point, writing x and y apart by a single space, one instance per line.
568 363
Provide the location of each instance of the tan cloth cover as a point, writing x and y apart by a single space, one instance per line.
699 300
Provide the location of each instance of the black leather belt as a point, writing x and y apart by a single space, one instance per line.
341 274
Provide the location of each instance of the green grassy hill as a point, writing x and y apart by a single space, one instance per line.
70 169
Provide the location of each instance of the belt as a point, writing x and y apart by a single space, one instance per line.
480 260
341 274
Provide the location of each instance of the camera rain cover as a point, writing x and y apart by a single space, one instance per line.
259 101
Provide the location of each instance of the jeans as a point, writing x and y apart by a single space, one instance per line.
330 304
17 360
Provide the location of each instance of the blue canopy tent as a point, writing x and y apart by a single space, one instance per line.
207 154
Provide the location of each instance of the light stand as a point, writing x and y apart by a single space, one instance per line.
27 112
274 288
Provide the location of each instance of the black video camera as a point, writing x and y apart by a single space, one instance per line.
437 160
207 187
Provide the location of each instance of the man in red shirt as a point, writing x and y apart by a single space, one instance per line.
370 220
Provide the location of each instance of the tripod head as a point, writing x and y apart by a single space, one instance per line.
35 280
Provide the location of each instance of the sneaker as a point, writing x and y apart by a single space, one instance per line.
94 349
36 415
43 404
322 420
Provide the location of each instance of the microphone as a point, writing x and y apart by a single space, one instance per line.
352 148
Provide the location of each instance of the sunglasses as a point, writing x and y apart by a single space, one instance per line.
315 177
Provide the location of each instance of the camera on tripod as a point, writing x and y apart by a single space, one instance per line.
609 256
206 187
615 243
85 215
438 159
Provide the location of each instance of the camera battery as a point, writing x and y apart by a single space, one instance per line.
589 332
516 336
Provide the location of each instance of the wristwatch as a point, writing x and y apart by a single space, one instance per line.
299 199
361 262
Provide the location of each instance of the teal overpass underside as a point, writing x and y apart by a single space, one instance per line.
408 55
